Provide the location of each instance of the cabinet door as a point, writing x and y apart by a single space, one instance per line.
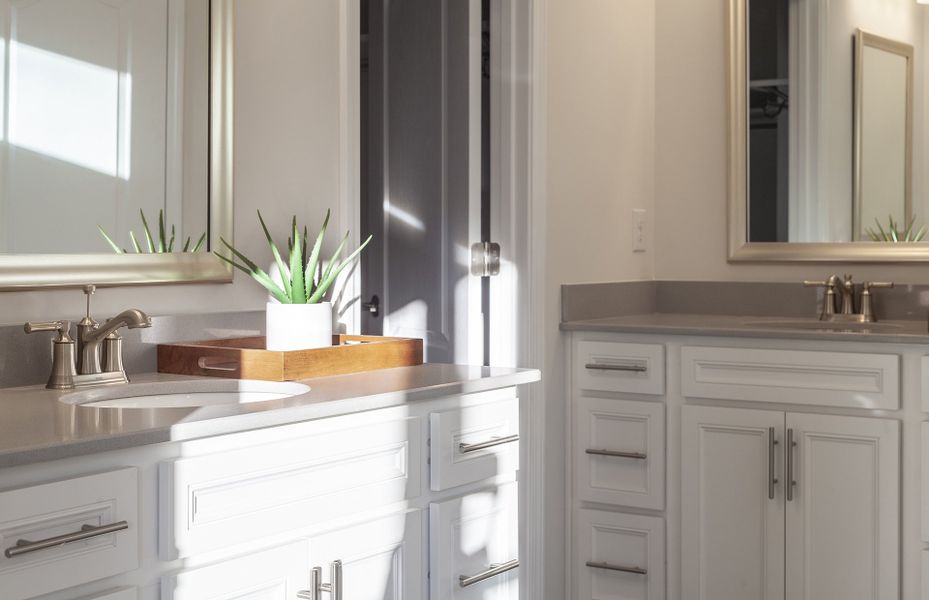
381 560
732 524
843 519
275 574
474 544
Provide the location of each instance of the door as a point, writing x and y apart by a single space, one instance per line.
843 515
275 574
732 505
421 138
380 560
474 545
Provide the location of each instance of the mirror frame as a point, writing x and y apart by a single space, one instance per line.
43 271
742 250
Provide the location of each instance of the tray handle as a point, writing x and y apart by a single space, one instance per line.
208 363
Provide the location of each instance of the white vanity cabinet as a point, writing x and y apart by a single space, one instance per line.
757 469
344 502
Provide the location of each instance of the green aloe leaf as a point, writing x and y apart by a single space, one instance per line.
135 242
186 245
110 241
171 241
297 288
162 237
255 272
148 233
281 267
327 282
199 244
311 266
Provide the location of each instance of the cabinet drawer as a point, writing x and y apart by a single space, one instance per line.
619 556
474 443
470 536
848 379
84 506
617 367
619 452
242 494
275 574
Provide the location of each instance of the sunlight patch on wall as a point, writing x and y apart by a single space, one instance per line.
68 109
408 219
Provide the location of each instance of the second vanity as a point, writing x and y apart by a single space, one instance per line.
720 457
392 484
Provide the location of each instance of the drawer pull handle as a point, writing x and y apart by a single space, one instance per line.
318 588
86 532
608 367
208 364
608 567
494 570
497 441
617 454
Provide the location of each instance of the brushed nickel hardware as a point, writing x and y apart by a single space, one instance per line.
772 479
494 570
485 259
844 287
617 454
63 353
622 569
205 363
87 532
96 357
791 444
318 588
495 441
608 367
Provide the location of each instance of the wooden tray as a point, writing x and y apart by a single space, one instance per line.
246 358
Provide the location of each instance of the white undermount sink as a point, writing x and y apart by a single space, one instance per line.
185 394
817 325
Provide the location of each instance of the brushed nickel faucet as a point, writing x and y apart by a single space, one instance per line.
95 358
844 288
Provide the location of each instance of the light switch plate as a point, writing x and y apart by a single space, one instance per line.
638 230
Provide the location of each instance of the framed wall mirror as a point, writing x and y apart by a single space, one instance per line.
116 141
826 120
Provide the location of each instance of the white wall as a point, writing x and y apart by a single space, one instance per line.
600 165
286 157
690 193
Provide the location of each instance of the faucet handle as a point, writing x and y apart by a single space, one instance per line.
870 285
63 328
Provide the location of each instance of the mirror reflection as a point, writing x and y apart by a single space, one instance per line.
105 122
836 121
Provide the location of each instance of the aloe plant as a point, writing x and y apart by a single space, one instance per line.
164 243
304 279
894 234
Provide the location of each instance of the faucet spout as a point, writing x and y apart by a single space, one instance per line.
90 354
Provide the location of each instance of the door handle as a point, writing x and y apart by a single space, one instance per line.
622 569
772 479
373 307
791 444
318 588
631 368
493 571
497 441
617 454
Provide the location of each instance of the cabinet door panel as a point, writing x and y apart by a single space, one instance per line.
732 530
381 560
467 537
275 574
843 523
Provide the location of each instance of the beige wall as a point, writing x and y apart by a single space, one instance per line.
286 161
690 193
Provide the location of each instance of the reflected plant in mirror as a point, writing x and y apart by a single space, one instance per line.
827 118
162 245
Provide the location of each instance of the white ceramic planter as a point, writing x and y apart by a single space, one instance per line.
298 326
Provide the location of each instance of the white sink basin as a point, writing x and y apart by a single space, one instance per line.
817 325
185 394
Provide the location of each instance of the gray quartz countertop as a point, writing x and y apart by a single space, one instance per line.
907 332
36 426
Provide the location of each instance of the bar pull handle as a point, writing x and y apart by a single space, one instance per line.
318 588
617 454
494 570
630 368
495 441
622 569
87 532
772 478
791 444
